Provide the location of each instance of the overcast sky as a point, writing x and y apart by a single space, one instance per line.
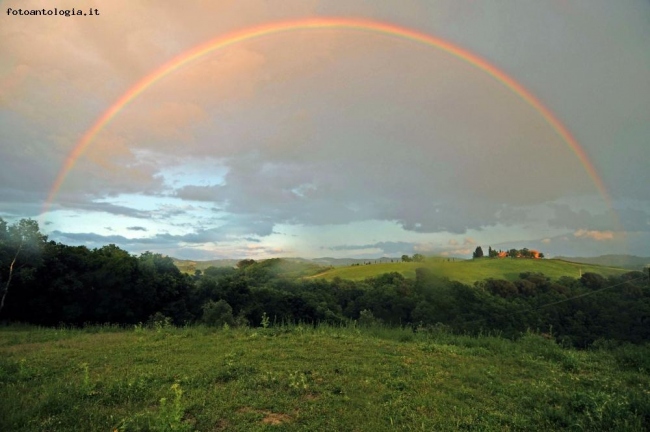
330 142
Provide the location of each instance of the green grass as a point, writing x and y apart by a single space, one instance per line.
470 271
309 379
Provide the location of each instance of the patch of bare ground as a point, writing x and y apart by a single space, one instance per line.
221 425
276 418
270 417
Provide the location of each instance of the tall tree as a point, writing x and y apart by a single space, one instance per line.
418 257
478 253
20 248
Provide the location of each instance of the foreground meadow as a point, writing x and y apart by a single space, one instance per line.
305 378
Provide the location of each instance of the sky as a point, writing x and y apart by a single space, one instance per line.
330 142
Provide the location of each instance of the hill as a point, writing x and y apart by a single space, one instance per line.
190 266
469 271
303 378
283 268
631 262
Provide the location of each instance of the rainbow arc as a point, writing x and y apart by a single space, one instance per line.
360 25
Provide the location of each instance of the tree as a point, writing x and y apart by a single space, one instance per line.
500 287
418 258
406 258
217 313
478 253
20 247
245 263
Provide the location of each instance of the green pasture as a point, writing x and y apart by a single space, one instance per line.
303 378
470 271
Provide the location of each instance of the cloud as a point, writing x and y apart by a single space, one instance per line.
630 218
595 235
328 127
384 247
169 121
73 203
399 247
456 252
260 250
199 193
424 248
136 228
98 240
304 163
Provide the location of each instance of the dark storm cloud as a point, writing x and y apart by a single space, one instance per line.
105 207
332 128
631 219
234 229
101 240
343 191
198 193
26 169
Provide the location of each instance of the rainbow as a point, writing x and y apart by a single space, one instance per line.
312 24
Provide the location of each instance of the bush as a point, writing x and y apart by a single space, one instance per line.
159 321
367 319
217 313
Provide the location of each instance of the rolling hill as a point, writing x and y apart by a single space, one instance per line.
469 271
189 266
622 261
466 271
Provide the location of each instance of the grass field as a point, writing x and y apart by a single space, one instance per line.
469 271
302 378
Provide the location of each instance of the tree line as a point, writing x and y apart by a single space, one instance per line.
511 253
48 283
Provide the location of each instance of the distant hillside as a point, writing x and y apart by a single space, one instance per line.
283 268
339 262
277 267
623 261
469 271
190 266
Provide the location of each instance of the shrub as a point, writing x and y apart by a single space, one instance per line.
159 321
217 313
367 319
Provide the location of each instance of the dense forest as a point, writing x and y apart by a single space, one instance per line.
49 283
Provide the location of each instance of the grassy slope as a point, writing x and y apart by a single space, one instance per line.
310 379
280 267
470 271
189 266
